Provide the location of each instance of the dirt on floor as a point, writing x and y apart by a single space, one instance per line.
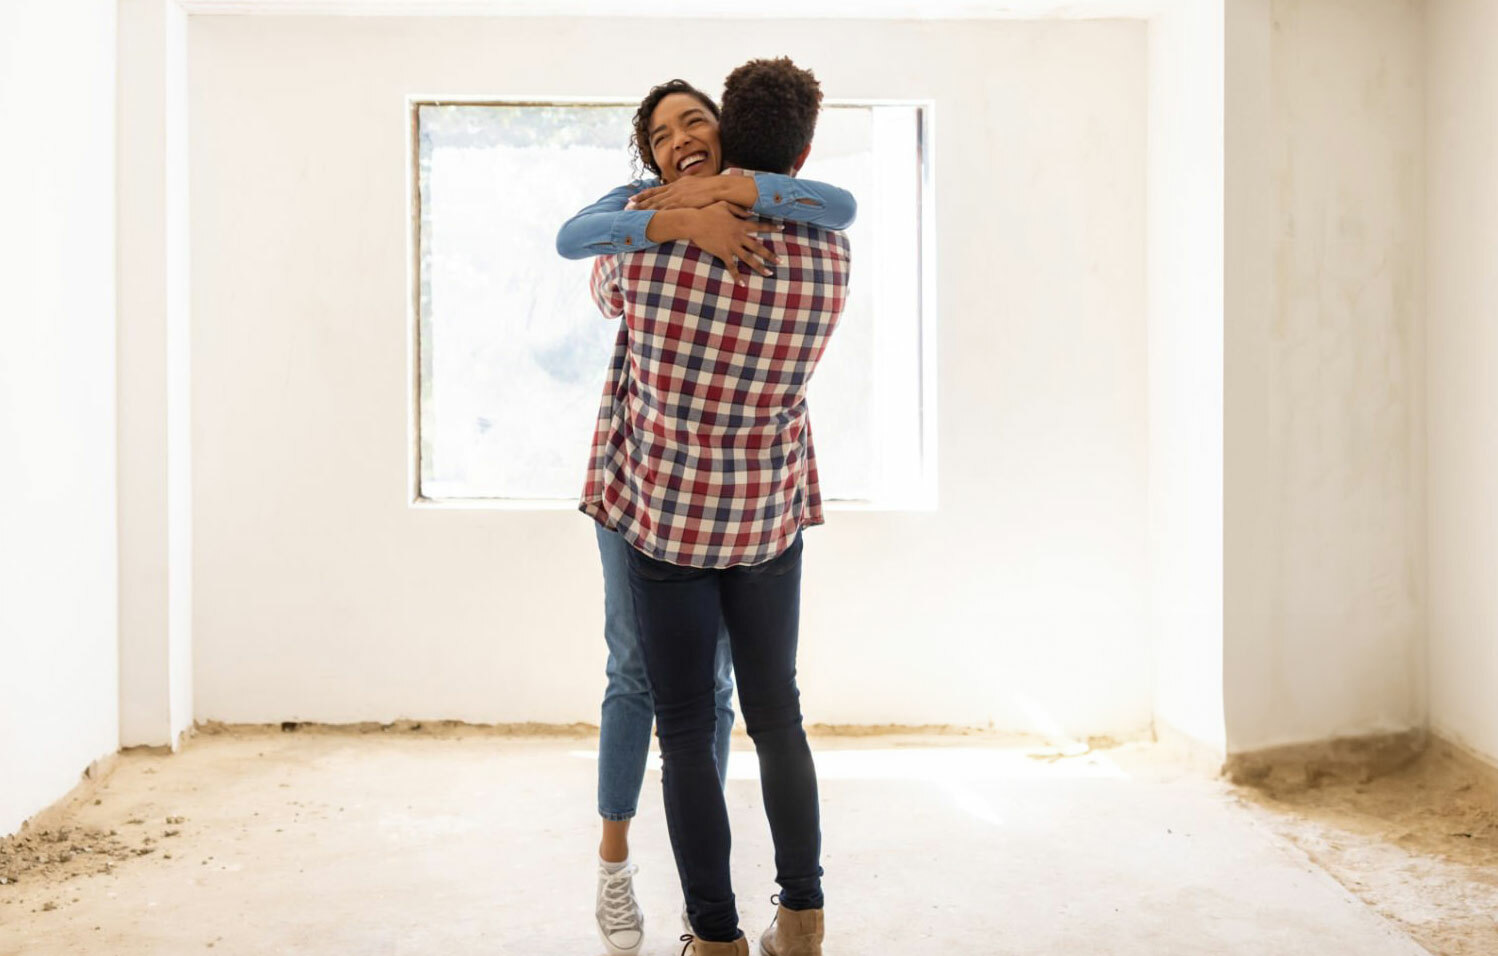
1419 844
55 856
90 833
52 856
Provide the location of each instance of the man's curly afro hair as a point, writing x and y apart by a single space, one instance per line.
769 114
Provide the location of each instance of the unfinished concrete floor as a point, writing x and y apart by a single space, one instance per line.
475 843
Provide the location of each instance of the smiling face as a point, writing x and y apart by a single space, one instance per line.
684 138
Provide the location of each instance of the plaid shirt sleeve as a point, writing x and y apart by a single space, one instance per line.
608 294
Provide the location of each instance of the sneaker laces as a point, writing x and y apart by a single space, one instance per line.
619 909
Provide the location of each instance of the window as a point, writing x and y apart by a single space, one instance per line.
512 352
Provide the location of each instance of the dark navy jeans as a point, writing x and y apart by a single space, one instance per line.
680 611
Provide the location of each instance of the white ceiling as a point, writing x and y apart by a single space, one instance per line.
713 9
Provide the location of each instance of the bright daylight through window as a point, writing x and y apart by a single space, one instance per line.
513 352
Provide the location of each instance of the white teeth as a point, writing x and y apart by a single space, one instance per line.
690 161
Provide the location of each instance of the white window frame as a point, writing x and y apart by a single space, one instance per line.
919 494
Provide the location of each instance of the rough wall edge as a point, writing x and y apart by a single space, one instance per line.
1357 759
447 727
83 792
92 778
1481 765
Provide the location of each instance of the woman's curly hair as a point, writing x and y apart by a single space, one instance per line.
643 154
769 114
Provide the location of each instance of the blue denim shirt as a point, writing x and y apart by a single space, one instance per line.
606 226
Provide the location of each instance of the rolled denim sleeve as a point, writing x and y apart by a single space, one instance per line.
804 200
606 226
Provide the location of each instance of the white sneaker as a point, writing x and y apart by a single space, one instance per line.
621 922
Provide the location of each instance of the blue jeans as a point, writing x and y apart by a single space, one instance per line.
628 710
682 610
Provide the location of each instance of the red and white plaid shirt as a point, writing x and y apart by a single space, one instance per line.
702 454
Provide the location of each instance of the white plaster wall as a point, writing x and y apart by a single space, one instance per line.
320 594
58 587
1324 633
1185 444
1462 250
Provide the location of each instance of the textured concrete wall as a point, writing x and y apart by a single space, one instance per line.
1325 421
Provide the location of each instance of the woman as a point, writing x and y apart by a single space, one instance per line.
676 137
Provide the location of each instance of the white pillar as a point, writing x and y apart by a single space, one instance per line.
1186 371
155 465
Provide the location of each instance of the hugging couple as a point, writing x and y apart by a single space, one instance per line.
730 274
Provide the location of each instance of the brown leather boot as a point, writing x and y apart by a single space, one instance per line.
702 947
793 933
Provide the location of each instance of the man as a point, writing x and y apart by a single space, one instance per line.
703 462
675 137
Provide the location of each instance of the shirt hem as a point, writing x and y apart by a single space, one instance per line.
594 509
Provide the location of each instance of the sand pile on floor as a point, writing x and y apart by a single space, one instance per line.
1419 845
62 853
